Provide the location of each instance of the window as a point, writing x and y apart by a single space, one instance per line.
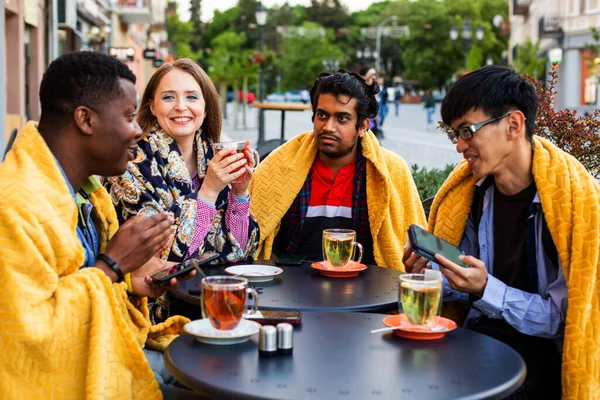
573 7
592 6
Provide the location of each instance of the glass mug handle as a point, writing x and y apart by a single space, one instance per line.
254 309
256 159
360 251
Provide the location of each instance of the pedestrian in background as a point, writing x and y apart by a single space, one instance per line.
383 101
429 105
397 99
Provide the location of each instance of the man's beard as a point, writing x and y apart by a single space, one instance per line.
340 152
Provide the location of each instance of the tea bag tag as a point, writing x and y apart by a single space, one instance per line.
432 273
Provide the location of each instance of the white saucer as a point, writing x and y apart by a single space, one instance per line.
255 272
206 333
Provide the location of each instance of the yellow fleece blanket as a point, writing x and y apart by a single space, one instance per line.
392 197
570 199
65 332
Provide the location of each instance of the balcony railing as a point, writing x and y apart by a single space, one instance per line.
521 7
134 12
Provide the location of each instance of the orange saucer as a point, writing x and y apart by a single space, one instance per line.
350 270
417 332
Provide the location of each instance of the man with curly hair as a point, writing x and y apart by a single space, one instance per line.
337 176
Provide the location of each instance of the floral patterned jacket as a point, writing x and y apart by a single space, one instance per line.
158 180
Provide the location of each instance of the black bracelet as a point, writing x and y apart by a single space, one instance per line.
113 265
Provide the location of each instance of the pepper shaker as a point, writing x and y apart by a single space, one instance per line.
285 338
267 341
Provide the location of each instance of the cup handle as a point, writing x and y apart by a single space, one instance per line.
254 309
360 251
256 159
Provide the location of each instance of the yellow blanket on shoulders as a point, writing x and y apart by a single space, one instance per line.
65 332
392 198
570 199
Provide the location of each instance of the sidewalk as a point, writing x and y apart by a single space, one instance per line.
406 135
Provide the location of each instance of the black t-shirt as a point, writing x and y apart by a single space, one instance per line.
510 248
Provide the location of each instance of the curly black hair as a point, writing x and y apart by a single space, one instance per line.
76 79
344 82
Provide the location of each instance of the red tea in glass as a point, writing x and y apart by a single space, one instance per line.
239 147
224 300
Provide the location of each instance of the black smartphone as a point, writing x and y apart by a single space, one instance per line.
166 275
427 245
273 317
290 259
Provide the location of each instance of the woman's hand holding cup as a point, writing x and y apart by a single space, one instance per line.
226 166
241 184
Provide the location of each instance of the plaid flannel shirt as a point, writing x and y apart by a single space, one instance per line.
293 221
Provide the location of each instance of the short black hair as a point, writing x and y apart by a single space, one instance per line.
344 82
495 90
76 79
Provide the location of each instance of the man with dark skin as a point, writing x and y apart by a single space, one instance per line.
62 253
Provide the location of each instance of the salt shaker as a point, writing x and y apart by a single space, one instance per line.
267 341
285 338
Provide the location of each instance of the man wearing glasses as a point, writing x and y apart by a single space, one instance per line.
527 215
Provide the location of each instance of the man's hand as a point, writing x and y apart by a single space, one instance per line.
469 280
143 285
413 263
138 239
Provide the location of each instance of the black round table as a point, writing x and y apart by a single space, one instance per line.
303 288
336 357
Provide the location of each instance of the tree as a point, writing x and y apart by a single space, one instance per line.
528 62
329 13
180 35
195 13
301 58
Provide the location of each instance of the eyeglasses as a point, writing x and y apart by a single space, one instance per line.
466 132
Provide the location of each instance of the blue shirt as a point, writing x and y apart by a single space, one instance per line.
86 231
533 314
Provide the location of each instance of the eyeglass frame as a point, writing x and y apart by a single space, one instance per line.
469 131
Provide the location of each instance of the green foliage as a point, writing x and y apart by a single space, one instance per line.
229 60
528 62
180 34
302 57
429 181
594 49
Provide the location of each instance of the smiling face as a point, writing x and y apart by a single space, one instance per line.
334 126
489 150
115 133
178 104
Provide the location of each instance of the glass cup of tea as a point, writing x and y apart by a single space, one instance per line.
239 147
339 246
223 300
421 297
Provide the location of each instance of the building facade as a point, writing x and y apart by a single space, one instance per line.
563 29
35 32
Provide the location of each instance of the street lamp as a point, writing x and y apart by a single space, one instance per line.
331 64
378 39
466 35
261 21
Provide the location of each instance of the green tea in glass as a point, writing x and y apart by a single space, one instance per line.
420 297
338 247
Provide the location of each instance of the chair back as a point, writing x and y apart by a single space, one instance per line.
11 141
427 206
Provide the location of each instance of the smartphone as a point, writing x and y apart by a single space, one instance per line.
166 275
427 245
273 317
290 259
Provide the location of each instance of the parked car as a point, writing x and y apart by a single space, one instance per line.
276 97
293 96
